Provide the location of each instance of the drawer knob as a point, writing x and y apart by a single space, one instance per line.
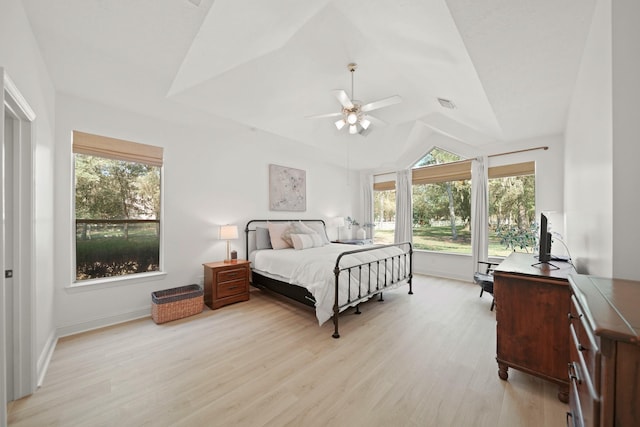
570 419
571 316
582 348
573 373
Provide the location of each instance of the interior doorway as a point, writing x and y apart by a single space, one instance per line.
17 324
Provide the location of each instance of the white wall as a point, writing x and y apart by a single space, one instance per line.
20 57
588 153
211 177
602 147
626 138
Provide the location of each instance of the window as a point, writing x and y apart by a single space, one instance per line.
117 207
512 210
442 202
441 198
384 212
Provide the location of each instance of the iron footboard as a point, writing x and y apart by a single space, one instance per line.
376 273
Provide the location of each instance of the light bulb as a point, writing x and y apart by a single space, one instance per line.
352 118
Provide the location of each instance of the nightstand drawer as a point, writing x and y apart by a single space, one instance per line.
230 288
226 283
234 274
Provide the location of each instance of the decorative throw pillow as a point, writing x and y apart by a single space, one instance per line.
318 227
306 241
263 240
276 231
302 228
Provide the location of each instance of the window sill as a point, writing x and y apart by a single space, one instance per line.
109 282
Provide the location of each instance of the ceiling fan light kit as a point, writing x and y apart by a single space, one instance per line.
353 111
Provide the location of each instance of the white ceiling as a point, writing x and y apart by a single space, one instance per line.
508 65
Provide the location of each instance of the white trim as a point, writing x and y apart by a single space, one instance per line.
103 322
108 282
17 97
45 357
15 104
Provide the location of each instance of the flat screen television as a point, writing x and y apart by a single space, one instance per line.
544 250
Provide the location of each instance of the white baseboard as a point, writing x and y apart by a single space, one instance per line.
102 322
45 357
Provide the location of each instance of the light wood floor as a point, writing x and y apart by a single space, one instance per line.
426 359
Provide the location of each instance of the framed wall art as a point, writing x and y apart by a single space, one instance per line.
287 189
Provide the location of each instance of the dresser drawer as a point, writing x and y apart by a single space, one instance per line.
574 416
584 403
585 343
233 287
232 274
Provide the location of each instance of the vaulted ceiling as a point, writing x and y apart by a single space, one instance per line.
509 66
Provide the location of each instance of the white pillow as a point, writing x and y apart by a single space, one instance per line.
276 234
306 241
302 228
318 227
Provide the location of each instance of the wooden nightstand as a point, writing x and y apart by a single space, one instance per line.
226 283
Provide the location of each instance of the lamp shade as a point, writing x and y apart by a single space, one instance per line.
228 232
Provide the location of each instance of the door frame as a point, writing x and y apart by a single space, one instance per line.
24 336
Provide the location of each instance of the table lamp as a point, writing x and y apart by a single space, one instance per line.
228 232
338 222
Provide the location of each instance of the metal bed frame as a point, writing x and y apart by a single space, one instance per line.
371 269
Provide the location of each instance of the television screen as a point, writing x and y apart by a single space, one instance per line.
544 251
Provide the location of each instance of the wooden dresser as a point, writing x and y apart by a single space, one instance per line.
532 303
226 283
605 352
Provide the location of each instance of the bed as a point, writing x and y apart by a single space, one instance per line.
295 258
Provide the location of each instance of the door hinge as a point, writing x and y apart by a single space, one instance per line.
8 274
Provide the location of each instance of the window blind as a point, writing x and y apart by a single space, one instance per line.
457 171
384 186
454 171
517 169
117 149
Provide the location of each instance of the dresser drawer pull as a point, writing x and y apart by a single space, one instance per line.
232 287
571 316
574 373
582 348
570 422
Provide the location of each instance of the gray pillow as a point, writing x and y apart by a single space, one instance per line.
263 240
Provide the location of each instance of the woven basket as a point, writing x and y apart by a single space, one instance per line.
176 303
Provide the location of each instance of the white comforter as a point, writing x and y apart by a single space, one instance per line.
313 269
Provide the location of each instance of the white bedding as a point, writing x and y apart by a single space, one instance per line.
313 269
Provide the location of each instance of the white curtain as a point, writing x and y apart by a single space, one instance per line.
404 207
367 203
479 211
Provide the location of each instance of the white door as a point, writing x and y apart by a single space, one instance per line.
7 250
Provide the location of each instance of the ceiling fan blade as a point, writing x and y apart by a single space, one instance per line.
365 132
381 103
322 116
374 120
343 98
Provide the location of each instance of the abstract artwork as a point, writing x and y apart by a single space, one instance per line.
287 189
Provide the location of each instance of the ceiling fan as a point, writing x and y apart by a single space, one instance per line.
354 113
